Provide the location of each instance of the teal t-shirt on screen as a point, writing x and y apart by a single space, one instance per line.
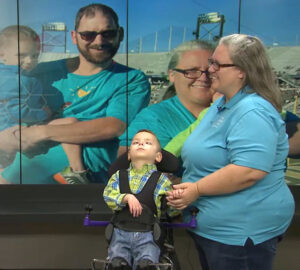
166 119
84 97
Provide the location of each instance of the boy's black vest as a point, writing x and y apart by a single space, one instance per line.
123 219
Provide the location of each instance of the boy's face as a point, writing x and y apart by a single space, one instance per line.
29 53
145 146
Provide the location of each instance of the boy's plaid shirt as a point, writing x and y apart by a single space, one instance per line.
137 180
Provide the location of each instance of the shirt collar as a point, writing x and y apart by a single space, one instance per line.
234 100
144 169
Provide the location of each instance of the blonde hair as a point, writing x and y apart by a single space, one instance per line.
16 32
249 54
188 46
177 53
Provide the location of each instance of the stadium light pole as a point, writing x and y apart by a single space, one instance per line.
239 22
207 18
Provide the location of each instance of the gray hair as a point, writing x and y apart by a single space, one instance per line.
186 47
249 54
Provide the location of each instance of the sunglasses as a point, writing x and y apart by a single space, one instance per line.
91 35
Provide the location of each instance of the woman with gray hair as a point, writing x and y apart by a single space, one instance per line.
235 163
188 73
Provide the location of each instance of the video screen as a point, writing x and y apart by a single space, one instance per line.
79 79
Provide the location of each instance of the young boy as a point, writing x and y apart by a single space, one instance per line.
21 98
129 243
21 95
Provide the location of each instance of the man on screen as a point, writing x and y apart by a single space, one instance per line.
91 88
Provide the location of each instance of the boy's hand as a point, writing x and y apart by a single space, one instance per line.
175 193
134 205
8 142
188 193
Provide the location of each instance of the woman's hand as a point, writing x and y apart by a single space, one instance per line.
183 195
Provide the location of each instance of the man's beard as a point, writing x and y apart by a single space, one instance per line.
109 52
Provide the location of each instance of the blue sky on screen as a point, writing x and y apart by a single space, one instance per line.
159 25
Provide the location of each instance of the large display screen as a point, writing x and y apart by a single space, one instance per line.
71 83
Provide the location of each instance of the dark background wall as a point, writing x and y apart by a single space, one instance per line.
41 227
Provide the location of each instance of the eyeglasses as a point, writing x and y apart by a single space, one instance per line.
191 73
216 65
91 35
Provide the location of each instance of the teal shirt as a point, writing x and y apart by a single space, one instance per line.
246 131
166 119
85 98
175 145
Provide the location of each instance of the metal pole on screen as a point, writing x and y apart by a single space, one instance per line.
239 22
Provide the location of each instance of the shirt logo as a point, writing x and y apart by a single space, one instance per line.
82 92
218 122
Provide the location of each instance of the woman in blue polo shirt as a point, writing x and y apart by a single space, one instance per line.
235 161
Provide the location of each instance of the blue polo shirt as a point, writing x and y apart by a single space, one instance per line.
246 131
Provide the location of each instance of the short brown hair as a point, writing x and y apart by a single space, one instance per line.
151 132
188 46
90 11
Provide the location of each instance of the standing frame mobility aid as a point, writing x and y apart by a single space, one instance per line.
162 231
